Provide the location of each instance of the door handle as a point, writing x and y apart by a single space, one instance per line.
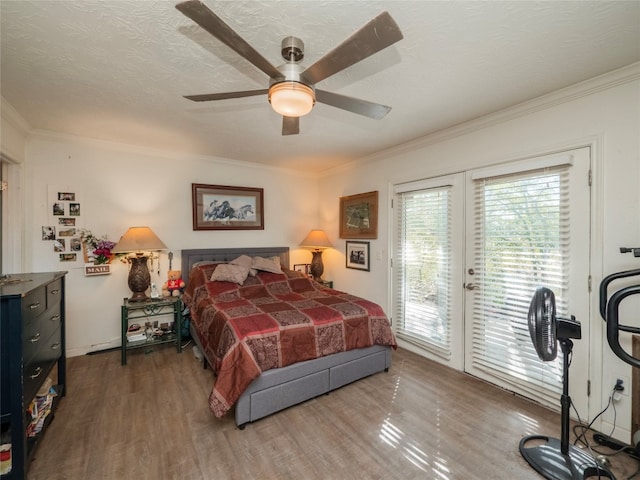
471 286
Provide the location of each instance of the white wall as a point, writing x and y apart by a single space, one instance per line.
119 187
603 113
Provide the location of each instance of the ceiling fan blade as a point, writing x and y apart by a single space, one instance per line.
376 35
355 105
207 97
200 13
290 125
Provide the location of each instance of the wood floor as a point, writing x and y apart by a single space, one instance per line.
149 420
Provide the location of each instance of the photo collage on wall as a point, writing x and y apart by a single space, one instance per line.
64 226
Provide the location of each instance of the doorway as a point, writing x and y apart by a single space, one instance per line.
470 249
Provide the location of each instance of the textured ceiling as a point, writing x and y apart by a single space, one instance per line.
116 70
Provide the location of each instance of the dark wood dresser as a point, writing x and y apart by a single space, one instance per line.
32 343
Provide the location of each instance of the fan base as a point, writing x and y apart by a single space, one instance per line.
547 459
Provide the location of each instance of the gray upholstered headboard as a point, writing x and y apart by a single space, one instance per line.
190 257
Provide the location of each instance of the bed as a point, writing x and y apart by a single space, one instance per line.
276 363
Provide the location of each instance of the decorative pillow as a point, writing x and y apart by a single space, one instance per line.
267 264
230 273
245 261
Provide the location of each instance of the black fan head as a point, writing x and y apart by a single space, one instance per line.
542 324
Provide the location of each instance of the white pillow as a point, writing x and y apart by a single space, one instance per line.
267 264
245 261
230 273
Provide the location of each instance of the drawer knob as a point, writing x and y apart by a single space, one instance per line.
55 292
55 346
35 338
33 306
36 373
55 318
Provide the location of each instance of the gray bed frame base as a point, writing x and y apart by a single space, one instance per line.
280 388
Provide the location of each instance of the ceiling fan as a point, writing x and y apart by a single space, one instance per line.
292 91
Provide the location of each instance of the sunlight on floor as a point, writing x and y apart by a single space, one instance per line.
395 438
531 424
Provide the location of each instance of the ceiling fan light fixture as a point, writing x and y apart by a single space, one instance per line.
291 99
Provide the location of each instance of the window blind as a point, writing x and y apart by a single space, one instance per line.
521 241
422 286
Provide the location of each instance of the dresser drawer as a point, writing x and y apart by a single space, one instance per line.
38 330
37 369
54 293
33 304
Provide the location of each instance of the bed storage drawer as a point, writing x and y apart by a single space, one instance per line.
270 400
359 368
272 390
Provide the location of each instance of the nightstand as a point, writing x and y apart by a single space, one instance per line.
143 313
326 283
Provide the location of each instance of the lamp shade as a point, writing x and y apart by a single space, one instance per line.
139 239
291 99
316 239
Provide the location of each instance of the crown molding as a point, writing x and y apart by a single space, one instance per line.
171 155
615 78
12 116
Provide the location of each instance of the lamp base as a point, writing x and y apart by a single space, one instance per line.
138 297
139 278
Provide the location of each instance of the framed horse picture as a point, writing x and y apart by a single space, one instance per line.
220 207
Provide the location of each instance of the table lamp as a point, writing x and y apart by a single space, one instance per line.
317 240
140 241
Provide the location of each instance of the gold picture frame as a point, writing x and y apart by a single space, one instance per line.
359 215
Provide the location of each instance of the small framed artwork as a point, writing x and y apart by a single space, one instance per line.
357 254
219 207
48 233
68 196
58 208
303 268
359 215
67 257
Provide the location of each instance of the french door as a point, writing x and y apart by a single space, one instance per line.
470 249
428 265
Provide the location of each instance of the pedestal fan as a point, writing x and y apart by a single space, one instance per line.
552 458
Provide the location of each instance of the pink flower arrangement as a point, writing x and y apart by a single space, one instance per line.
102 251
100 248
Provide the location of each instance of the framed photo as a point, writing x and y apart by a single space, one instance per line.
357 255
302 267
359 215
218 207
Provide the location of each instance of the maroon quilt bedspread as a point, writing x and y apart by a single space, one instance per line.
272 321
